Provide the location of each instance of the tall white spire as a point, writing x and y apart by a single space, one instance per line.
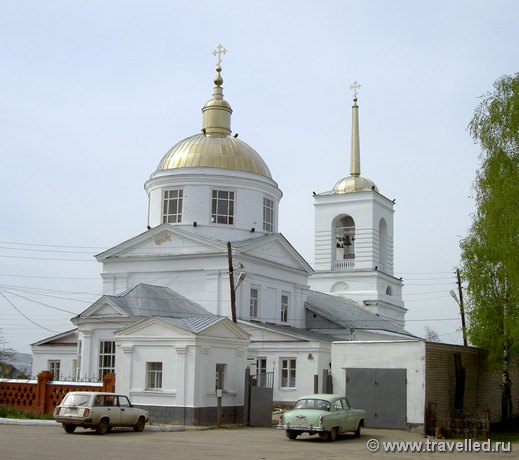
355 139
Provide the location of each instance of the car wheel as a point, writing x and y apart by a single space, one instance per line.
139 426
103 426
69 428
333 435
357 432
291 434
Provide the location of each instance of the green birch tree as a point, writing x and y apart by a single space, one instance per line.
490 251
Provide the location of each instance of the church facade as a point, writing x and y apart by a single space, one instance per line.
212 287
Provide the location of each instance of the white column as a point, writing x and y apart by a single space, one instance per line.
86 351
181 375
123 382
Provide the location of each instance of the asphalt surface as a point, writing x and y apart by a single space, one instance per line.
47 440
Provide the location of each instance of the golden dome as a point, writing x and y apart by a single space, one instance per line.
353 184
215 147
220 151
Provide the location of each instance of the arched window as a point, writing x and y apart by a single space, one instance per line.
340 286
389 291
344 243
382 235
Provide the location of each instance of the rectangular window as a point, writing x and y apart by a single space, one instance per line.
254 298
172 206
268 215
222 211
220 377
288 373
106 358
153 376
261 366
284 308
54 367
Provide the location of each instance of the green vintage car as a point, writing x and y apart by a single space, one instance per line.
323 414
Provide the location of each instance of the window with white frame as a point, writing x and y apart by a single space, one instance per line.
153 375
254 299
54 367
172 206
268 215
288 373
261 366
261 372
284 307
222 210
220 377
106 358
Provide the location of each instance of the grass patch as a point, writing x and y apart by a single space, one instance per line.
9 412
505 437
509 433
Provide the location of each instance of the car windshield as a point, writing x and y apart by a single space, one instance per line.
75 400
317 404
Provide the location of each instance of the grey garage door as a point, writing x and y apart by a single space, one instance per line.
382 393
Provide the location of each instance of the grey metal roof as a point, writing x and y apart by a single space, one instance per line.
149 300
303 334
194 324
349 314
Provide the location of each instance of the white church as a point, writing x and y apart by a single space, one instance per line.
212 287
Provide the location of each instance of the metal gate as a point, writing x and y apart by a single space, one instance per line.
259 394
382 393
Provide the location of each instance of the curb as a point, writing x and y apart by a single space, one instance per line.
34 422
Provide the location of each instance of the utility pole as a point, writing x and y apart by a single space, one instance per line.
462 308
231 282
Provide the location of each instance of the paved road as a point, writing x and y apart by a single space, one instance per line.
51 442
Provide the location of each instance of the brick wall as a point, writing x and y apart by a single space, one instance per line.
482 384
42 395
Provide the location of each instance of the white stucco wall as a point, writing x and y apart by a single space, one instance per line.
249 190
188 366
409 355
65 354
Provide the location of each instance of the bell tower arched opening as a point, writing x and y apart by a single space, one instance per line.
344 243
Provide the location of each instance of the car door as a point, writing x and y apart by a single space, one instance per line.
127 413
350 422
112 410
340 415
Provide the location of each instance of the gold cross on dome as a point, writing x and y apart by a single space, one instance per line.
355 88
219 51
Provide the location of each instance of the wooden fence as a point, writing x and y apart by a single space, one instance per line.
42 395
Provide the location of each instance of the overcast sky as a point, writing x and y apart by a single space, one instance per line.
93 93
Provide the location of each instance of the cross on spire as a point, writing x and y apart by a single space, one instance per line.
355 88
219 51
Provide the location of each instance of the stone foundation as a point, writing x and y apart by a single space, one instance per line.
199 416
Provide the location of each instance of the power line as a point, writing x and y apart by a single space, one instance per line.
41 303
24 315
45 250
53 245
48 258
50 277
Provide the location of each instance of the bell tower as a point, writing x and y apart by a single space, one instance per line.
353 243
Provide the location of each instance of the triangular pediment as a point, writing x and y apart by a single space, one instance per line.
225 329
104 307
154 327
276 249
163 241
65 338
